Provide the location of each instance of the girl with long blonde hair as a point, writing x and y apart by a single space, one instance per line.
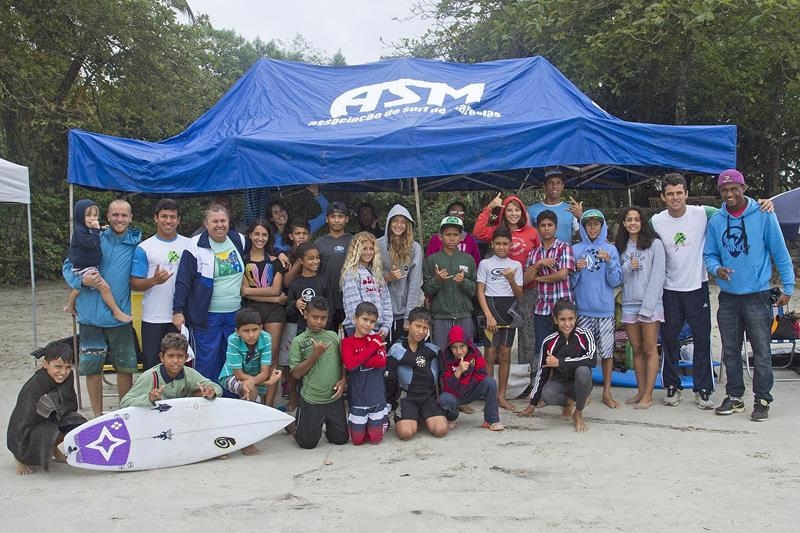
362 281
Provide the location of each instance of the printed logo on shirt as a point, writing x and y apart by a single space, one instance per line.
307 294
228 263
734 238
497 273
679 240
593 262
172 260
338 249
369 285
464 269
420 361
639 256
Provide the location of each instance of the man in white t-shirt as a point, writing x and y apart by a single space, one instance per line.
682 229
155 263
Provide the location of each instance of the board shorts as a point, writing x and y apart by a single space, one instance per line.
83 271
504 336
234 386
602 329
116 345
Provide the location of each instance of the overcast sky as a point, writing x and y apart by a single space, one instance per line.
354 26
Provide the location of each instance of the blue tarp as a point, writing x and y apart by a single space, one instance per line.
490 124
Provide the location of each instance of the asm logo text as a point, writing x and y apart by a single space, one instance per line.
407 91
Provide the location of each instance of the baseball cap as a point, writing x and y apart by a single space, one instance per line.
451 221
592 213
730 176
337 207
553 173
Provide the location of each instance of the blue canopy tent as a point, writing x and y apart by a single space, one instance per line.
372 127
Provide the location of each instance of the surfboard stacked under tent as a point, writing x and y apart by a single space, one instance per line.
171 433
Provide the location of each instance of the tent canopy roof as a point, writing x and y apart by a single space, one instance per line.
14 186
486 125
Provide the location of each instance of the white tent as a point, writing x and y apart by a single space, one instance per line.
15 188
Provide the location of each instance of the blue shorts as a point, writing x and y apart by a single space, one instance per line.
116 345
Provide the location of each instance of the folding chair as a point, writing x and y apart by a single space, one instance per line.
774 342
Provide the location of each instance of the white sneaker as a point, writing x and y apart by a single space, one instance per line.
673 396
703 401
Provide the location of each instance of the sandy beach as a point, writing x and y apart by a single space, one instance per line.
650 470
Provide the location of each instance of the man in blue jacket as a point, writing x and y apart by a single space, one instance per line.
102 335
741 244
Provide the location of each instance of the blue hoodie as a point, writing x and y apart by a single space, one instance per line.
748 245
594 285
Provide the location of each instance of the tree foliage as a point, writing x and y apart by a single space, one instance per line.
666 61
130 68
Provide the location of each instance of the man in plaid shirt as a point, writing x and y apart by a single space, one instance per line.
549 265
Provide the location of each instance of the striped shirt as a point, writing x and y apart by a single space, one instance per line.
551 292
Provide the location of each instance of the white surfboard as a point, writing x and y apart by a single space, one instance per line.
172 433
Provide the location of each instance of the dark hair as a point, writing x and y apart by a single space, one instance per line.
298 222
366 308
369 206
564 304
502 231
273 204
247 315
547 215
673 178
58 350
420 313
646 234
304 248
451 204
165 204
318 303
269 226
174 340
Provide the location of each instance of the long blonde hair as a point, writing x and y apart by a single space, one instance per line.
353 259
400 247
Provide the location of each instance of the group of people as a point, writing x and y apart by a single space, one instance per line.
354 327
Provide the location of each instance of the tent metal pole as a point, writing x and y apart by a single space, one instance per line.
630 198
75 347
33 278
419 213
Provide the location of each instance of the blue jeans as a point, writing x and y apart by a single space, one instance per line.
211 343
486 389
752 313
692 307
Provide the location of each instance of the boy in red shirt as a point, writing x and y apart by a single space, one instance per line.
364 357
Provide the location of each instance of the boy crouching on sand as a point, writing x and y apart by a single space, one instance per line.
314 357
364 357
414 364
465 379
247 372
46 410
170 379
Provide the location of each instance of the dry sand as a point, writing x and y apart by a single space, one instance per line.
666 468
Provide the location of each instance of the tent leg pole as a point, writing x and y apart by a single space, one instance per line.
75 347
630 198
419 213
33 278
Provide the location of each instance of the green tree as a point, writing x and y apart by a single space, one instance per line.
668 61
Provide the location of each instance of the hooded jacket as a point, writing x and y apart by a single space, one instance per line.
406 292
84 247
578 349
523 239
748 245
644 285
594 285
460 386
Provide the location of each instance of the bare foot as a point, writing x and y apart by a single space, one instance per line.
291 429
566 412
71 310
580 425
634 399
644 403
59 457
527 412
123 317
466 409
250 450
23 470
609 401
505 404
